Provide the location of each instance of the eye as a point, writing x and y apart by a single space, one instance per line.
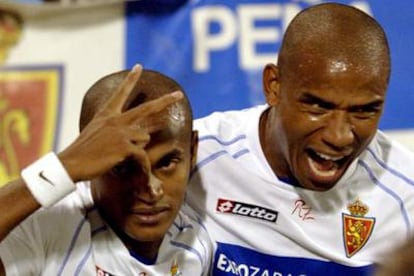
366 112
316 108
126 168
315 105
169 162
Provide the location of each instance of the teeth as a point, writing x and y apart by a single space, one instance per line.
329 158
322 173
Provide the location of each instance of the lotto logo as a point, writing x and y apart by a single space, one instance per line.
243 209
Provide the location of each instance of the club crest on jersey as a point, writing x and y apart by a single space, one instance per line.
175 271
243 209
101 272
356 228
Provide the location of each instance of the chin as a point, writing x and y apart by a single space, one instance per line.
146 234
147 238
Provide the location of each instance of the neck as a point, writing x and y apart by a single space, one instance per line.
145 249
270 146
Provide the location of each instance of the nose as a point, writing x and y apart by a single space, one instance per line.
150 188
339 132
155 187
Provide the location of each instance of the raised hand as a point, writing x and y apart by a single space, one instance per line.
114 135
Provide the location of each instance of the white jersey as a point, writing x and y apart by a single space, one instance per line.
71 239
265 226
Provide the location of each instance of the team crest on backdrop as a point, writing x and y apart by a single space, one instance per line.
356 228
29 112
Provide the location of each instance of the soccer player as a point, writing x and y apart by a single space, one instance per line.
306 184
119 188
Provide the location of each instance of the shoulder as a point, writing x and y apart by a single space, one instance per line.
188 222
188 239
227 131
389 153
189 229
227 122
389 164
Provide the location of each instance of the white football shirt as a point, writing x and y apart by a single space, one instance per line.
263 225
72 239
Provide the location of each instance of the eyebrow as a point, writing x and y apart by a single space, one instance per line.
310 98
174 152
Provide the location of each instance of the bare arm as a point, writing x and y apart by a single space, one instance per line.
16 203
107 140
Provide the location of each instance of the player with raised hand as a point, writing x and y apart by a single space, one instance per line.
111 200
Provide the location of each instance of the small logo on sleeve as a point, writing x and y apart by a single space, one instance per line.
42 176
243 209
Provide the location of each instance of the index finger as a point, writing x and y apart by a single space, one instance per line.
118 99
152 107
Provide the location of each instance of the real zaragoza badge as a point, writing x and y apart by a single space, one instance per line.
29 107
356 228
175 271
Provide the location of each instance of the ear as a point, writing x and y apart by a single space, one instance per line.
271 84
194 147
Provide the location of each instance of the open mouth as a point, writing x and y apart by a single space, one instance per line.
324 167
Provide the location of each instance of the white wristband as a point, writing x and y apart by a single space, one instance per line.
48 180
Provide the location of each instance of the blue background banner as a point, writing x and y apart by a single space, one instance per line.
217 49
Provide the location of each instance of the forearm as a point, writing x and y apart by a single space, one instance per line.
16 204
